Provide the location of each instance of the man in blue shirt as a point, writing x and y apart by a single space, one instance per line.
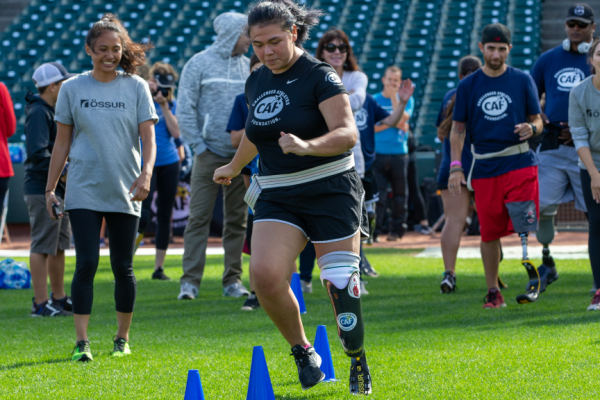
391 159
555 73
498 105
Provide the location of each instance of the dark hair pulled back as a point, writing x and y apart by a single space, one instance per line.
468 64
134 54
286 13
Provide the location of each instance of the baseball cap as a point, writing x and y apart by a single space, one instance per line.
48 73
495 33
581 12
165 80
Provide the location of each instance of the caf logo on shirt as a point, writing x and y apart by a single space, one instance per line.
568 77
268 105
530 217
494 105
361 118
334 78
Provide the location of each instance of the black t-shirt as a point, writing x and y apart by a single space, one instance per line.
289 103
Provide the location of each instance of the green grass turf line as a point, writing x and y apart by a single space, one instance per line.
420 344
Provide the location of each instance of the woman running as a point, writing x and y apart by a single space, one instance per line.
300 122
585 128
456 207
101 116
165 176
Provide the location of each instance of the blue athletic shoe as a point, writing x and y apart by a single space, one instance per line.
547 276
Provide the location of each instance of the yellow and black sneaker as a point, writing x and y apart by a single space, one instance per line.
360 377
121 347
82 351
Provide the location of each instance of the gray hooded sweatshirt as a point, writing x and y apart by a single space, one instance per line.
209 83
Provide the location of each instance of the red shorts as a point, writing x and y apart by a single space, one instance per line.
507 201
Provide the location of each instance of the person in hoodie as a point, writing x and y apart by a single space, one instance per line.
49 237
209 83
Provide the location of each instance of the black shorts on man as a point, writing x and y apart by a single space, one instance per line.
326 210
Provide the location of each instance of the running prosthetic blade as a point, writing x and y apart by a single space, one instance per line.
533 287
501 283
360 377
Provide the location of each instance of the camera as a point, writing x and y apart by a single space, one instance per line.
164 91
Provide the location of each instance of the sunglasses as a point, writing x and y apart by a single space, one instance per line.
330 48
581 25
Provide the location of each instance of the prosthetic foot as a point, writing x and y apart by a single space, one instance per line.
533 286
360 378
547 270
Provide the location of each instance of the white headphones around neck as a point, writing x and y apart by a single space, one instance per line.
581 48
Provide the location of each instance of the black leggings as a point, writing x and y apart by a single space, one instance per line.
165 180
122 228
3 190
593 209
415 198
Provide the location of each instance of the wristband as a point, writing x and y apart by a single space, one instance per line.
453 163
177 142
49 191
456 170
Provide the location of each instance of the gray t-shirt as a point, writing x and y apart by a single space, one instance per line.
105 154
584 118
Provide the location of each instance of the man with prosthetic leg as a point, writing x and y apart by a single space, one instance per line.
555 73
498 105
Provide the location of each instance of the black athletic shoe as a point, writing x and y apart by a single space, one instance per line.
547 276
448 283
160 275
65 302
251 303
360 377
367 269
308 363
48 309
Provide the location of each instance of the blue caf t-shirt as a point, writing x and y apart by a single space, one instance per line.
239 114
555 73
491 107
392 141
166 151
366 118
466 157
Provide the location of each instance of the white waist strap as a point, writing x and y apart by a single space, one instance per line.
297 178
509 151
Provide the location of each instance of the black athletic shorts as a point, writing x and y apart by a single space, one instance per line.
327 210
370 184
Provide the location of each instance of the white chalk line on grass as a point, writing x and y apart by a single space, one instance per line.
210 251
579 252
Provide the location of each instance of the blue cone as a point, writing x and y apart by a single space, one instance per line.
322 348
260 387
193 389
297 289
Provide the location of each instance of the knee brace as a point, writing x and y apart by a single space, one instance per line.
340 276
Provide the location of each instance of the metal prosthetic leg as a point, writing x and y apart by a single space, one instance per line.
533 287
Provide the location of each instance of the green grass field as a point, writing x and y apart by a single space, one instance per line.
420 344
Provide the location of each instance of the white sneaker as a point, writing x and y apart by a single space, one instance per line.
363 289
188 291
235 290
306 286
